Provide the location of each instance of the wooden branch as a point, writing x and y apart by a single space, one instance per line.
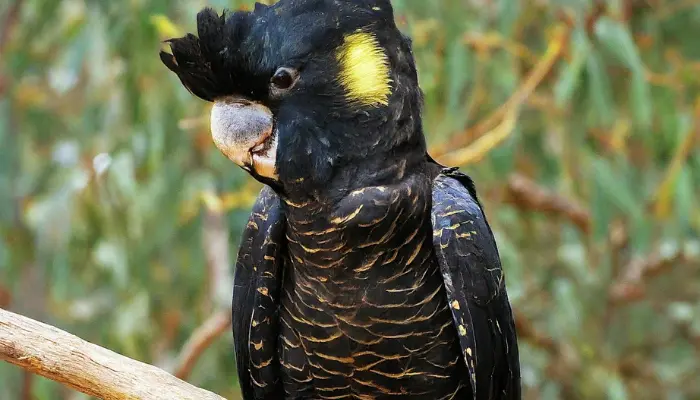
527 195
8 25
27 380
483 145
512 105
664 195
215 244
5 297
631 285
202 338
91 369
527 332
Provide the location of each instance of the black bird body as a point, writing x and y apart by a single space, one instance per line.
363 310
363 302
366 270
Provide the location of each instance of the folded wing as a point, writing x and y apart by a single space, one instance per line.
471 268
256 290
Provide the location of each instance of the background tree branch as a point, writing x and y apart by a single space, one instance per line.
6 29
200 340
91 369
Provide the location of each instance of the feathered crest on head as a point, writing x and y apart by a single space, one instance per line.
209 64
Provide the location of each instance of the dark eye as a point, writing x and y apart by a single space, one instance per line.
284 79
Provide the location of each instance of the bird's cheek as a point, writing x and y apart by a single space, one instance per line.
244 132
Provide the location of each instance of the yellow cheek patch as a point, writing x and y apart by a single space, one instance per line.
364 70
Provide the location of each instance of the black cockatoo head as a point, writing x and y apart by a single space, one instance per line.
310 96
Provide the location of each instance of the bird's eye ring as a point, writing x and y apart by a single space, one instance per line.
284 79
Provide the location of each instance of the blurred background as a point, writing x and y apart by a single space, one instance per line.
578 119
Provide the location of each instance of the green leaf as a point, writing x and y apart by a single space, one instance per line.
570 78
616 388
685 200
508 13
459 71
614 36
640 98
599 92
568 317
615 189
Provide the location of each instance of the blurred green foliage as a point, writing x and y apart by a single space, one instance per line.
109 182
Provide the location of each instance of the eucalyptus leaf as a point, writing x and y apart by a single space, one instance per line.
599 92
571 75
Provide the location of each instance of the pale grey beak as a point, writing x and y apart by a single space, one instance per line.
244 132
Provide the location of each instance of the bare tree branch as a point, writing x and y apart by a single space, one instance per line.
527 332
5 297
91 369
215 243
8 25
201 338
216 248
27 379
444 153
631 285
527 195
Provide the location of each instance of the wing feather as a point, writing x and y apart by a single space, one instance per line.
475 286
256 290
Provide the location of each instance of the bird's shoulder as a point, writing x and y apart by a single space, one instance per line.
463 238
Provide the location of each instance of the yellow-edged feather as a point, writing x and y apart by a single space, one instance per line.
364 70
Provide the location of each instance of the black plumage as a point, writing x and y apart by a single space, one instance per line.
366 270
